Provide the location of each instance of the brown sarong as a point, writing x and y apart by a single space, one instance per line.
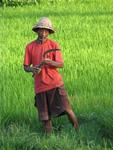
52 103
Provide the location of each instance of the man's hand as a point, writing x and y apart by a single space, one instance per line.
36 70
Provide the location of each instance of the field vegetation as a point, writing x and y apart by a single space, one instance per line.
84 29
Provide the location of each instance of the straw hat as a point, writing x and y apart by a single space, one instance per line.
45 23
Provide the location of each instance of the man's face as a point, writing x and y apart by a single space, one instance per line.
42 33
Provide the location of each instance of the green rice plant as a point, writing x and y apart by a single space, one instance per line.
84 31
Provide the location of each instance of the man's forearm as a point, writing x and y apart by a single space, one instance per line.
52 63
55 64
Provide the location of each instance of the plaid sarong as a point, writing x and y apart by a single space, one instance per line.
52 103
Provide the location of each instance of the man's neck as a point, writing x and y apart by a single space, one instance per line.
41 41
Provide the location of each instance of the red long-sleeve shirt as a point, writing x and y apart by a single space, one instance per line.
49 77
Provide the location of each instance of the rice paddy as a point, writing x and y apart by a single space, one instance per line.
84 32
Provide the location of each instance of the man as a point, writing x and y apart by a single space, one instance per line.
51 98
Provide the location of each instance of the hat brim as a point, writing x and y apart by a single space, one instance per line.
41 27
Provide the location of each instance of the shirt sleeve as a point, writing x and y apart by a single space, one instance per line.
27 56
58 54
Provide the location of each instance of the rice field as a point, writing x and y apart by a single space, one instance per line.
84 29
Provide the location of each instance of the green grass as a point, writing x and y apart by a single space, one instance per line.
84 31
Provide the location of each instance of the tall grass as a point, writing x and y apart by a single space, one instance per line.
84 31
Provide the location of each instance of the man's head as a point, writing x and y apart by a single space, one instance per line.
44 23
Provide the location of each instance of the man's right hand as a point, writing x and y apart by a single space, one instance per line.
36 70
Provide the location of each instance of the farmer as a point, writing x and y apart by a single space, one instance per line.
51 99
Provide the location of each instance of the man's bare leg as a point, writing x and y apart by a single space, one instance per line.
47 126
72 118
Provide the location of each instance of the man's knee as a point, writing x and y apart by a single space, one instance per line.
69 111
